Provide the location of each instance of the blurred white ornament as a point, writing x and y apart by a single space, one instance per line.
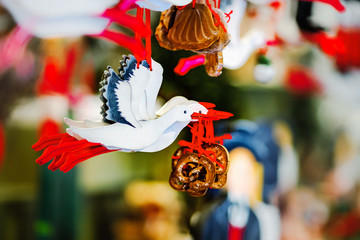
59 18
264 73
161 5
239 49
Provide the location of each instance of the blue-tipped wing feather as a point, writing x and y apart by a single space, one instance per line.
123 95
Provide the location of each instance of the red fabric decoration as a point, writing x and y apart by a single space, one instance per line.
275 5
351 57
345 226
236 233
301 81
329 45
49 127
56 79
335 3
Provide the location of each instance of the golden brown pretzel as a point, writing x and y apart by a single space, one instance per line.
188 162
196 193
195 174
204 178
222 156
177 154
176 184
220 181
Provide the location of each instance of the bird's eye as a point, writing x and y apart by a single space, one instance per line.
200 111
185 111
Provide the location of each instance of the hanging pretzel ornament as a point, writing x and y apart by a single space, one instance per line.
203 162
200 27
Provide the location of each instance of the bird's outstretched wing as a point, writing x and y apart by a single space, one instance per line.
145 83
139 80
116 95
129 97
151 91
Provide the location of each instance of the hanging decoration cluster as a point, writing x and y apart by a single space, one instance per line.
203 162
130 122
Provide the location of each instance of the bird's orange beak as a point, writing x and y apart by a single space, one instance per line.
196 115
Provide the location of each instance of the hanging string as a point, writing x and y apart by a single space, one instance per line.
140 18
148 38
227 15
202 132
216 16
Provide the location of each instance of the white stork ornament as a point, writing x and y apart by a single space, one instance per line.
129 120
71 18
153 5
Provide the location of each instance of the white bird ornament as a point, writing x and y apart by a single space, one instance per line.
68 18
160 5
239 50
130 123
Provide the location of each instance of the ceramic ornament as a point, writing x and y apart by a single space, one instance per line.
239 49
60 18
160 5
264 71
129 122
336 4
202 163
200 27
315 33
67 18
